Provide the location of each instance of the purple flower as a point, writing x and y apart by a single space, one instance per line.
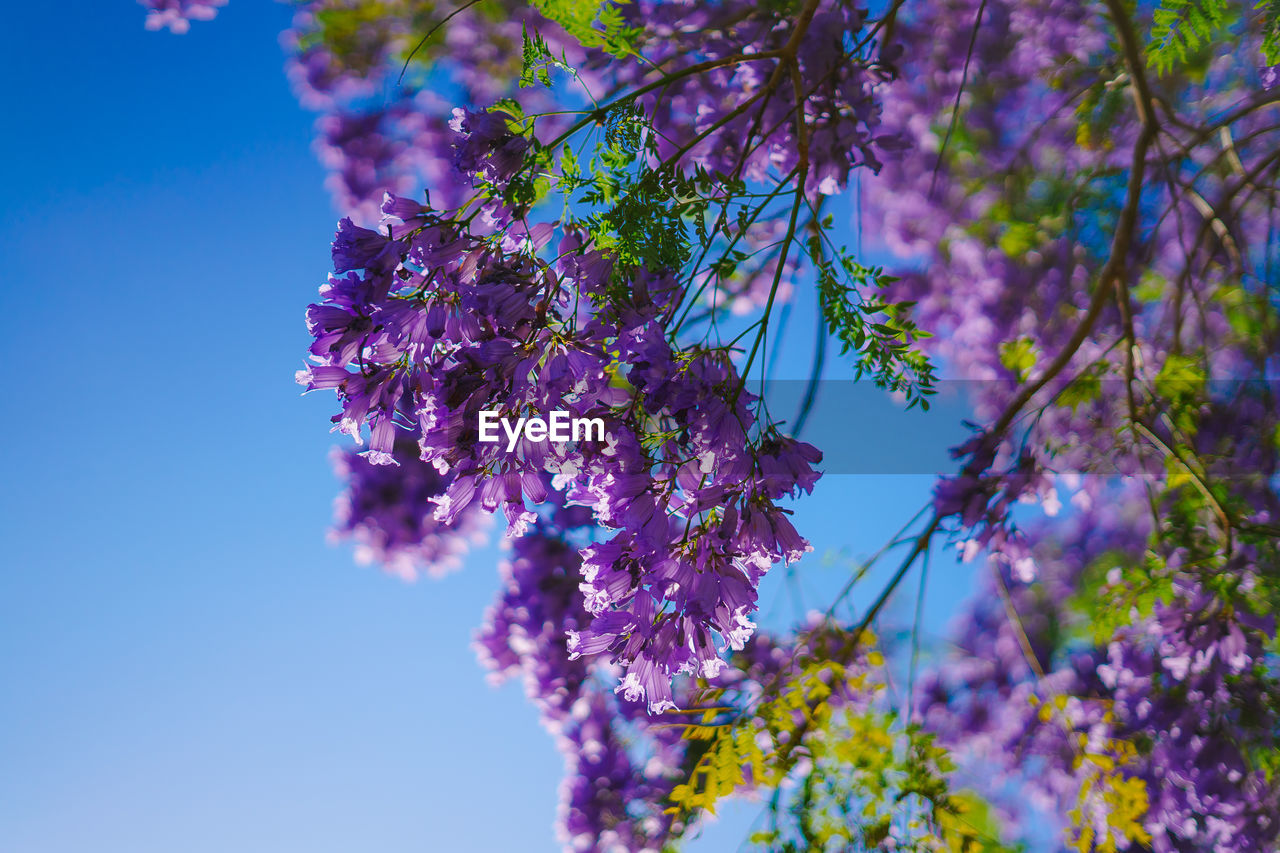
388 512
177 15
488 149
356 248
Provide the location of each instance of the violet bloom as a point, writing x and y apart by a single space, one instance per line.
356 248
177 15
387 511
488 148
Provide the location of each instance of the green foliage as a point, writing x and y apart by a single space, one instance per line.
537 60
338 27
646 223
1110 803
652 211
1271 30
864 772
1017 238
1108 791
878 331
1246 310
871 777
1083 389
1180 28
734 748
352 30
1098 111
646 215
594 23
1180 386
1018 357
1114 589
640 212
625 128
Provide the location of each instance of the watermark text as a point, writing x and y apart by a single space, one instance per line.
557 426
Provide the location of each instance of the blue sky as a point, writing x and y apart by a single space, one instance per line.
184 663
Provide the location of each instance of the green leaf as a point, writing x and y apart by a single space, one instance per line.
879 331
594 23
1018 357
538 60
1017 239
1180 375
1085 388
1271 30
1180 28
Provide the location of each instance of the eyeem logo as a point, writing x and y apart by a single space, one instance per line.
558 426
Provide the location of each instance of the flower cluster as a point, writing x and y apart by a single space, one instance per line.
524 636
389 512
1183 685
1092 243
742 118
384 127
737 119
177 15
1010 269
425 326
1015 220
1191 680
621 763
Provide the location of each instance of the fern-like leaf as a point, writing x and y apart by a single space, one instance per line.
1270 30
594 23
1181 27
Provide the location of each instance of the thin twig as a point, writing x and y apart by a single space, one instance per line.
955 108
430 33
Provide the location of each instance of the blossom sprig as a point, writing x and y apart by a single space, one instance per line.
1088 222
1090 365
429 328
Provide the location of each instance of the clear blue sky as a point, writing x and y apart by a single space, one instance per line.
184 663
